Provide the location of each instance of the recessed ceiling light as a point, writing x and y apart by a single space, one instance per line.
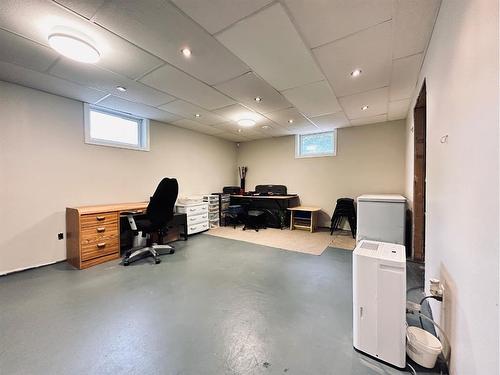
240 130
364 108
290 121
258 99
121 88
246 122
265 127
186 52
356 72
197 115
74 48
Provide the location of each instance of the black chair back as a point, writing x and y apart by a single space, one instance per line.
161 206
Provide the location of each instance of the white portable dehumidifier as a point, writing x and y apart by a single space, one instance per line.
379 301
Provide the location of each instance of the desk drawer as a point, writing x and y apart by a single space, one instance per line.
98 230
195 228
104 246
196 219
98 219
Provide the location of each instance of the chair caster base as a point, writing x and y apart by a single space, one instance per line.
157 260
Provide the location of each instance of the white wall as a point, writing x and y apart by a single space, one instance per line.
45 166
370 159
462 237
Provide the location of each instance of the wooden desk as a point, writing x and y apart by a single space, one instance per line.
93 232
301 222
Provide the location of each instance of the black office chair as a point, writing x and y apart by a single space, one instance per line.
159 212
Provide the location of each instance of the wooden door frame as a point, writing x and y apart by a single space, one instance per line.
419 173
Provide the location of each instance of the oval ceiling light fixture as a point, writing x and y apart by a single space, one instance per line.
290 121
197 115
121 88
356 72
186 52
364 108
258 99
74 48
265 127
246 122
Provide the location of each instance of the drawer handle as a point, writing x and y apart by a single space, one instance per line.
101 229
100 245
100 218
192 219
192 209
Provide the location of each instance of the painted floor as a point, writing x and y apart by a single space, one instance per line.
217 306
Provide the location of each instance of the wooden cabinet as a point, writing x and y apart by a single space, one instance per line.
93 233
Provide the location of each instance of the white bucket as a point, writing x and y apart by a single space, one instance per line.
422 346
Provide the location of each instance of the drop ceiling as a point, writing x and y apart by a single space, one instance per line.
295 55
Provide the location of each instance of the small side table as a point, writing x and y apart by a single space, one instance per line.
304 217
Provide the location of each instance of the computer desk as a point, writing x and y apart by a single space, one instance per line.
93 232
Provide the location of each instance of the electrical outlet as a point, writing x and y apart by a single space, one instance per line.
60 236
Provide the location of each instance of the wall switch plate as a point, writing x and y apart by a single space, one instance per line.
60 236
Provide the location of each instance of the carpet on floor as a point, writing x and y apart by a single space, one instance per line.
342 239
294 240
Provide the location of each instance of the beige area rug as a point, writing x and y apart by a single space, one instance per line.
294 240
342 239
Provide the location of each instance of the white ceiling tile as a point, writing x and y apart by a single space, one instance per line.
104 80
376 100
369 50
313 99
404 76
137 109
329 122
196 126
247 87
85 8
44 82
398 109
162 29
269 43
189 111
283 116
369 120
18 50
37 19
413 24
215 15
232 137
237 112
175 82
323 21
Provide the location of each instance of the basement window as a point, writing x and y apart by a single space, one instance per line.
316 144
106 127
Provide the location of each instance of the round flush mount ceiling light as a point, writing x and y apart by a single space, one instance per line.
258 99
290 121
121 88
364 108
356 72
186 52
246 122
265 127
74 48
197 115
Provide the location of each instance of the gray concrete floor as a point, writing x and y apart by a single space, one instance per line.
216 306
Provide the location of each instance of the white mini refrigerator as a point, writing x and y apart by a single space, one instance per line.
379 301
381 217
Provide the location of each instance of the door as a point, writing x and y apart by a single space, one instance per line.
419 161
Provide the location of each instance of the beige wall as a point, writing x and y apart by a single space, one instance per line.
462 218
45 166
370 159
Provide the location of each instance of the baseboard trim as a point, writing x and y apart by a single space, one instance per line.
31 268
